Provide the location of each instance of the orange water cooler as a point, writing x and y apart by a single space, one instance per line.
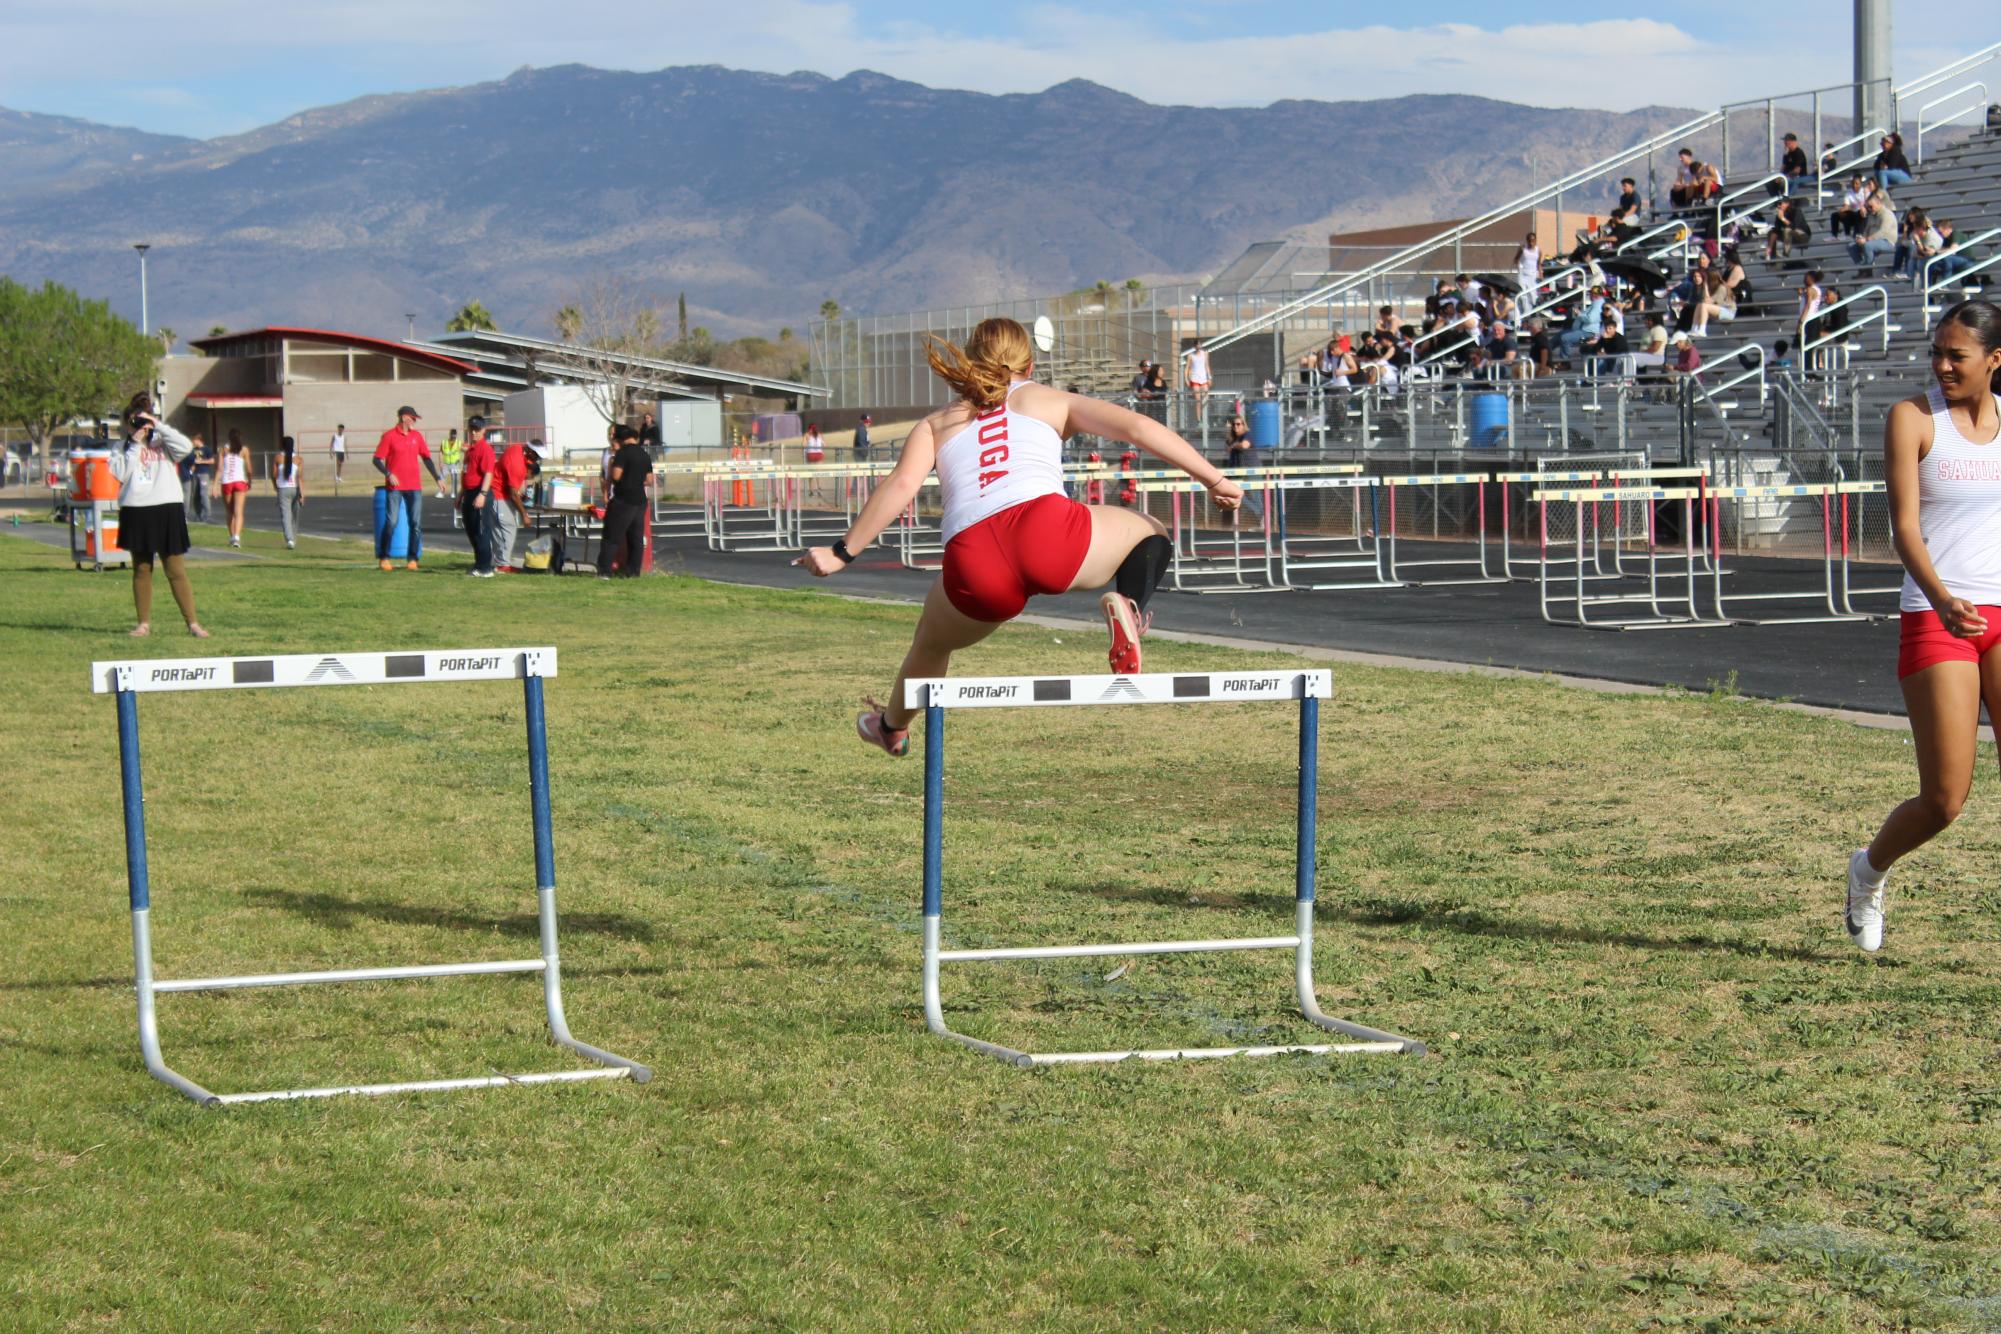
93 511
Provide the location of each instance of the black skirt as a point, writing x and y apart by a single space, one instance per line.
153 530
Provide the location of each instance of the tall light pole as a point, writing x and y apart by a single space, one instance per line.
1872 66
142 247
411 317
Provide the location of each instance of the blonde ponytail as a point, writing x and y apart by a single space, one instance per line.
996 354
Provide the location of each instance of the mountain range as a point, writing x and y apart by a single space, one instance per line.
758 195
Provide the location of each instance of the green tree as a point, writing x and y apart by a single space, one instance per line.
569 323
62 357
1134 290
1102 291
217 330
473 316
830 309
167 339
681 310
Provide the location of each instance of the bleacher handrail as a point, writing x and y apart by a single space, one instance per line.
1926 82
1822 171
1878 316
1556 295
1978 104
1757 373
1679 225
1778 177
1959 247
1391 264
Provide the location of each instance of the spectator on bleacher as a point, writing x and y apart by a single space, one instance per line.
1528 263
1878 239
1237 442
1828 162
1781 358
1585 324
1538 344
1386 323
1715 301
1789 229
1137 388
1683 357
1629 197
1917 241
1198 376
1731 266
1846 219
1309 370
1471 289
1952 261
1503 353
1708 182
1794 166
1892 168
1604 351
1682 193
1812 294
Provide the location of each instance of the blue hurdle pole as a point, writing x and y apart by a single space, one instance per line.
545 884
139 886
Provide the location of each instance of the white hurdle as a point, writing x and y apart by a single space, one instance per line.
935 697
128 680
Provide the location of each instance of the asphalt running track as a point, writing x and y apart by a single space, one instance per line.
1846 665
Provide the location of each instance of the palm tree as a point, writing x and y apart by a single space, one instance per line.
473 316
167 339
569 323
1102 290
830 309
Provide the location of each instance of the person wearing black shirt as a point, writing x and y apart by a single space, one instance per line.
1629 197
627 512
1605 351
1794 165
649 432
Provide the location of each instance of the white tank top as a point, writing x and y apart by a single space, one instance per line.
1959 513
288 476
232 467
1000 459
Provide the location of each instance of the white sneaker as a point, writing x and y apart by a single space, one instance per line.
1865 905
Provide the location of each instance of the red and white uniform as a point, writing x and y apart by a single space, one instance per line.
1959 512
1009 529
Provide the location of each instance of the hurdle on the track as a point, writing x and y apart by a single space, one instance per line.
1836 591
937 697
1688 566
128 680
1605 558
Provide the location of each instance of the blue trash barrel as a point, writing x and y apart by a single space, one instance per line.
1264 422
399 541
1490 420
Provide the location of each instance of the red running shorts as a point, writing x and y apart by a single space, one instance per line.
1925 642
1034 547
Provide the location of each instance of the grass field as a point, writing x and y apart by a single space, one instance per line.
1663 1090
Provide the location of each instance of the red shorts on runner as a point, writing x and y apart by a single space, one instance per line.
232 488
1926 642
1034 547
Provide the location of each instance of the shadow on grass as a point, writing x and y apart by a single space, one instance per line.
340 913
1450 917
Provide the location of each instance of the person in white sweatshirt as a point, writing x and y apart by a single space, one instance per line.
152 525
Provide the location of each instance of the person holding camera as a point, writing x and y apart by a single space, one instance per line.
152 522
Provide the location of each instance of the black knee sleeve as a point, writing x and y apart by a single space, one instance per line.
1144 567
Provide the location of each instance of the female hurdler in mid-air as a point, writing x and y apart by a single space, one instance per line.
1009 529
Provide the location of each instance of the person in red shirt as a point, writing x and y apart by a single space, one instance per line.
517 464
476 502
397 458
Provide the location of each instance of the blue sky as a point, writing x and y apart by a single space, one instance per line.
224 66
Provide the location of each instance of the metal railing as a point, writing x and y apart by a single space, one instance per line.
1683 235
1978 104
1404 258
1785 185
1713 392
1959 276
1879 316
1822 171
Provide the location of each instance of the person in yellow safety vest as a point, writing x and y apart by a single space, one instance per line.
452 453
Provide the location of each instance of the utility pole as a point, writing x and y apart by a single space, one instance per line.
410 317
1872 66
142 247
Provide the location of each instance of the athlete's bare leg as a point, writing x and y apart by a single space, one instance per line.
1115 531
1943 702
942 630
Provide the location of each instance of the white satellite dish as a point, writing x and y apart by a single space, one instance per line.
1045 333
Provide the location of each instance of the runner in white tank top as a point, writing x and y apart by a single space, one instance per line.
1010 531
1942 456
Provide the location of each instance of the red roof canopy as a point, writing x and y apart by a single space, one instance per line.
434 360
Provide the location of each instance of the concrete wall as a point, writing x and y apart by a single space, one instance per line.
312 410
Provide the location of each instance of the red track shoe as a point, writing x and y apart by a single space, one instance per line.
1123 620
871 728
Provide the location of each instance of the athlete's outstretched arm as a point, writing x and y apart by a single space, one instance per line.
1094 416
920 451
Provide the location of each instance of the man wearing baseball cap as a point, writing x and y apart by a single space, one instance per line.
397 456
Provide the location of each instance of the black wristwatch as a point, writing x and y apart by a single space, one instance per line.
841 552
